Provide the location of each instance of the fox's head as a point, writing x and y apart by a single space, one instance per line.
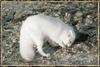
68 36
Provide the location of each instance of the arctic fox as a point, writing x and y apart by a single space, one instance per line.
39 28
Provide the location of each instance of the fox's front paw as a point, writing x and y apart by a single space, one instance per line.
46 55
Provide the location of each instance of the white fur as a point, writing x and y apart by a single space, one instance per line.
35 29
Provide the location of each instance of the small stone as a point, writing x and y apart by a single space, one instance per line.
88 20
78 16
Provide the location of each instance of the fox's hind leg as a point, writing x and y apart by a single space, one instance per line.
26 47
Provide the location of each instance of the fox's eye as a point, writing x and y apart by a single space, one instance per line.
70 42
68 35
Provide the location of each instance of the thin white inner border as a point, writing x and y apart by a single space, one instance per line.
55 2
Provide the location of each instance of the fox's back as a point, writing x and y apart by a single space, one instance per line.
45 24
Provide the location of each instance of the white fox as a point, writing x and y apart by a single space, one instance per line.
39 28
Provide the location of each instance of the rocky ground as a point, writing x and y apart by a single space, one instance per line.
84 17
